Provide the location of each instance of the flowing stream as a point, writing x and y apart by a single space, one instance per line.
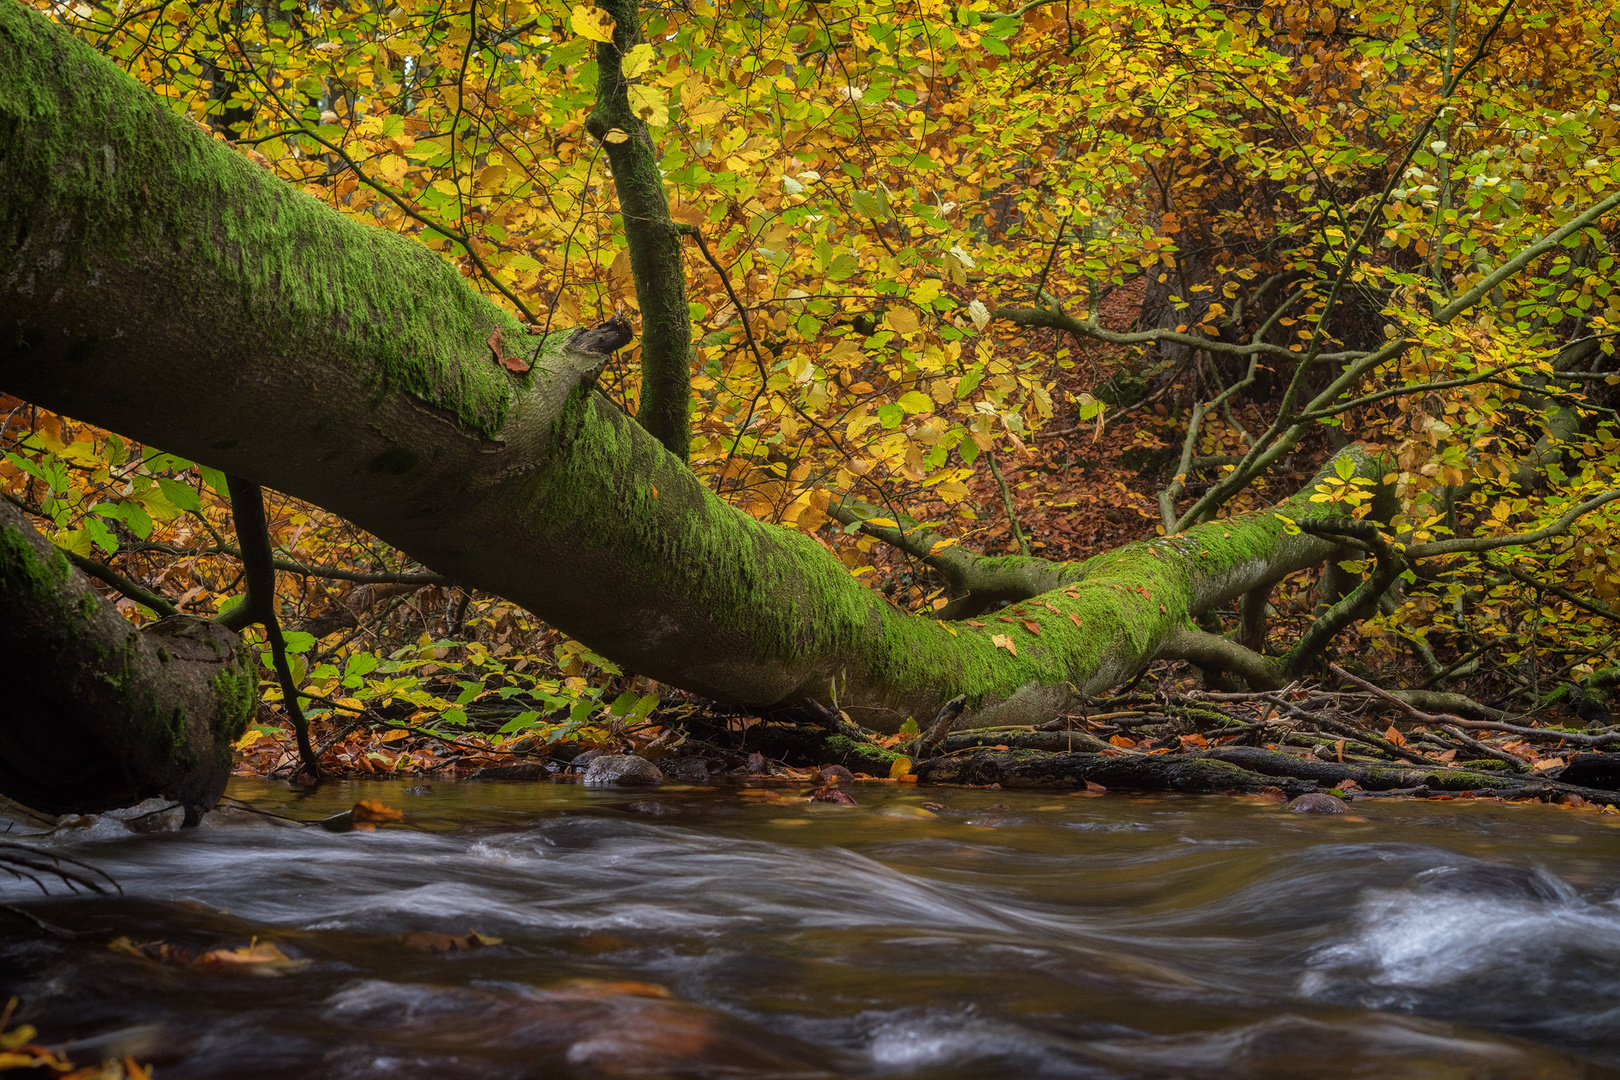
729 932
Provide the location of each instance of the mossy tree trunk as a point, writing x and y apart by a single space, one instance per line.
665 408
96 714
159 285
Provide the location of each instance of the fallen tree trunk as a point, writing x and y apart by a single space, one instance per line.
155 283
1230 769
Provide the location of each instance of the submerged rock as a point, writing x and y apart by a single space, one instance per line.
528 770
1316 803
692 769
612 769
835 774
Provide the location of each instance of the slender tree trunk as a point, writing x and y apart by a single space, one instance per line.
665 408
154 283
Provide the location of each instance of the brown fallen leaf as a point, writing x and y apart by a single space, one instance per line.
1033 627
1394 736
427 942
498 346
834 796
1074 619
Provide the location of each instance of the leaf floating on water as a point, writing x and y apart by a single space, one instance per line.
257 958
365 816
596 989
160 951
472 939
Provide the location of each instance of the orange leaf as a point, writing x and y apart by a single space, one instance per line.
1002 641
1074 618
1394 736
1121 740
370 810
1033 627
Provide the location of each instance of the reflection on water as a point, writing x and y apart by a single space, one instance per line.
718 932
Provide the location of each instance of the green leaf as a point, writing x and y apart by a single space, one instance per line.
181 495
523 721
297 641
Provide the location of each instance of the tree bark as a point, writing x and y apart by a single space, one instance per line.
157 284
96 714
665 408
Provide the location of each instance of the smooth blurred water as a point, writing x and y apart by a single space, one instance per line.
1006 934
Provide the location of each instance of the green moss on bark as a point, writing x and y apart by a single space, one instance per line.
25 573
238 690
97 173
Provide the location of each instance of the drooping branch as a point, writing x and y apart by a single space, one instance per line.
259 604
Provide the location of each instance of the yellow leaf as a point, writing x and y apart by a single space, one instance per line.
711 111
637 60
258 957
615 136
948 627
902 320
591 22
1002 641
901 766
651 104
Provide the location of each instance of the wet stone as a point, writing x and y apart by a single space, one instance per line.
835 774
692 769
1316 803
611 769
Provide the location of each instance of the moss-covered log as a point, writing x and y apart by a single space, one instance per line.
157 284
95 714
1235 768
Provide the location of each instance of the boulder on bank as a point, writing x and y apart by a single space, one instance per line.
622 769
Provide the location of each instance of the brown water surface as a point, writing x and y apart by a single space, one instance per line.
731 933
